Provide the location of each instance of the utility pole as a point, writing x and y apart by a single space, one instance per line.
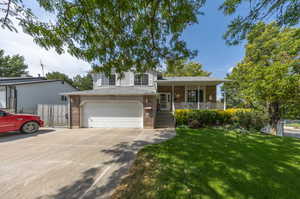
42 66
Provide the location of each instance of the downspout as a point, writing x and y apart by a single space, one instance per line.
225 104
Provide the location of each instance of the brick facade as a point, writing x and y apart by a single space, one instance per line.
74 111
211 94
149 103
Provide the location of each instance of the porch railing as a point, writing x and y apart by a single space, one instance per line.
199 106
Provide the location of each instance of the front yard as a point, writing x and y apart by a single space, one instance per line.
213 163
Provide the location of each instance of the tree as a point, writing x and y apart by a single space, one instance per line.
184 68
233 99
286 13
269 75
83 82
12 66
127 34
59 76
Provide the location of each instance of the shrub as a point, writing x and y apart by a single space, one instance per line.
240 118
181 116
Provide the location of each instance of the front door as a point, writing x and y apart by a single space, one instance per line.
165 101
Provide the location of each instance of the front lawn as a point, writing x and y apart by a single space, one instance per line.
212 164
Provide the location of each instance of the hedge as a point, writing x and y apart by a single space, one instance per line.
242 118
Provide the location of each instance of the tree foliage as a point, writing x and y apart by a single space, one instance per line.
286 13
59 76
269 75
14 9
128 34
12 66
184 68
83 82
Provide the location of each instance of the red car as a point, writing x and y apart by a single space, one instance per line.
18 122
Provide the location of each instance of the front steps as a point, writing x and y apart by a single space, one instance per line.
164 119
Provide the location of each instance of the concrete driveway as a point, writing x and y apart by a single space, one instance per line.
65 163
292 132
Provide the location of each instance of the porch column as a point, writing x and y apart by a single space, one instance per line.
225 100
204 94
198 103
173 106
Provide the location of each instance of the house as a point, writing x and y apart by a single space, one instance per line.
135 100
23 94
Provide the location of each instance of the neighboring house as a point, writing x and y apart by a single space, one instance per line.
23 94
134 100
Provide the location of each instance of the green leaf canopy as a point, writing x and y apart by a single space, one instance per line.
128 34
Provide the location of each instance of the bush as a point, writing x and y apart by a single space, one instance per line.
240 118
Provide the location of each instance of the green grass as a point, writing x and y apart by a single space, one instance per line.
212 164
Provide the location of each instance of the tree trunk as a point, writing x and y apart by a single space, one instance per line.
274 114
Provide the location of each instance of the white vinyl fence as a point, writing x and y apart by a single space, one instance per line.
54 115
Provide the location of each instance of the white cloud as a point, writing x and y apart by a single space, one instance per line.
230 69
23 44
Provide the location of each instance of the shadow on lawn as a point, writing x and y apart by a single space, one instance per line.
122 155
215 164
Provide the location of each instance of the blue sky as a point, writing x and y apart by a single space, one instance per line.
206 37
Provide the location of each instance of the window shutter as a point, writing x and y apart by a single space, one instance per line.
150 79
118 81
99 80
131 79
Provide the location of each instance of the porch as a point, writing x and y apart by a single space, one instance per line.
188 93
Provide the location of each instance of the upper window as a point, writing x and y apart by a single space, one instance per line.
112 80
141 79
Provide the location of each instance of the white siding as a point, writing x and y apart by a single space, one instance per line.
2 97
127 80
30 95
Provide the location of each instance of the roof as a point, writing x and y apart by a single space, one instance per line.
191 79
6 81
115 91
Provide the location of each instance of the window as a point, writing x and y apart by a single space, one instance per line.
112 80
63 98
141 79
194 95
2 114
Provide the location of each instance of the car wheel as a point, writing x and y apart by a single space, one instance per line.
30 127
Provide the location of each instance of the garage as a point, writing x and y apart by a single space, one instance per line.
112 114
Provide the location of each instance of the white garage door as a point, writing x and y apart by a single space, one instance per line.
113 115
